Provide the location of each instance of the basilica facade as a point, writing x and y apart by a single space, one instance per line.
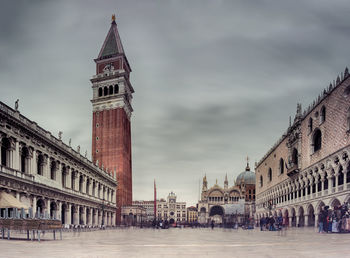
51 177
309 167
226 204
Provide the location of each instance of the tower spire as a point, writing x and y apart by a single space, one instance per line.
247 167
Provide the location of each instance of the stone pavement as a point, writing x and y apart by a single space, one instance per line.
175 242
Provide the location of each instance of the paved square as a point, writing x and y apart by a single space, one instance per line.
183 243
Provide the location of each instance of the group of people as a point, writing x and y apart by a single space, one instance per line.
271 223
334 221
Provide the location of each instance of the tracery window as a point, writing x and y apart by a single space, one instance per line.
317 140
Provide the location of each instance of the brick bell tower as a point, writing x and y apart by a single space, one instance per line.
111 104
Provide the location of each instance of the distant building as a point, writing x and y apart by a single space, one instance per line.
309 167
133 215
171 210
228 204
192 214
149 206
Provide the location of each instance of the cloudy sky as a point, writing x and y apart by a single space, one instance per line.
214 81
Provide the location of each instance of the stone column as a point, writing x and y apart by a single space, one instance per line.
290 221
68 214
59 172
13 157
344 179
84 184
77 178
336 182
48 207
32 162
113 218
59 210
84 215
322 186
316 220
91 214
68 178
330 185
34 205
306 223
76 215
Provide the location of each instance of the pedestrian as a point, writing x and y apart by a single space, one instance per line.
212 224
320 221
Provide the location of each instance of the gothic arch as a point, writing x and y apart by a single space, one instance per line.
334 202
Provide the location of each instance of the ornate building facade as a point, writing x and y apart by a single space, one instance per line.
111 103
308 167
228 204
171 210
50 177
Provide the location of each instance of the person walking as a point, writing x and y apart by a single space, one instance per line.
212 224
320 221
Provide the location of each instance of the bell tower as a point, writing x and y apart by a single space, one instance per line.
111 105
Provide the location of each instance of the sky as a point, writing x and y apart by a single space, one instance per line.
215 81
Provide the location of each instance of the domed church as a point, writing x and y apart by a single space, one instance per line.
228 205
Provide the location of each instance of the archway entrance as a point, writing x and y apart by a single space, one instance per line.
40 207
53 210
72 210
301 217
216 214
63 213
81 216
293 224
311 215
171 221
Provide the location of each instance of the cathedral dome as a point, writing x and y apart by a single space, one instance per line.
247 176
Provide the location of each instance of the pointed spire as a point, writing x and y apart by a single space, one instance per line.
226 182
247 167
112 44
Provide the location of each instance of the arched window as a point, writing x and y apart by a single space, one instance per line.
93 188
270 174
40 164
116 89
5 146
323 114
110 90
53 170
317 140
24 156
281 166
105 91
310 125
100 92
64 175
340 176
261 181
81 179
87 186
295 157
73 179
